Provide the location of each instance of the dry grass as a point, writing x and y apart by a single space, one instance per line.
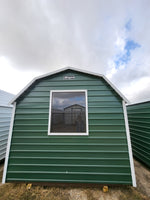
13 191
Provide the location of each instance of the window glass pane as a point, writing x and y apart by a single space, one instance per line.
68 112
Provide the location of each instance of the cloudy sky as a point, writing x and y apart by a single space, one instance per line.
110 37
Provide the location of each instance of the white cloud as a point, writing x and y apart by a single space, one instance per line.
39 36
137 88
13 80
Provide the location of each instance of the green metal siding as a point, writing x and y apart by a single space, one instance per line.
139 124
100 157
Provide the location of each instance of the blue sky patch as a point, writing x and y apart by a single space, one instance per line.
128 25
125 57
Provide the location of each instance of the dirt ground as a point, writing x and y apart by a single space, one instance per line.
142 178
11 191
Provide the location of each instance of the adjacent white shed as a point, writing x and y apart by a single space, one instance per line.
5 117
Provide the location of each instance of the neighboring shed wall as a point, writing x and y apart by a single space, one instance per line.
5 117
5 97
101 157
139 124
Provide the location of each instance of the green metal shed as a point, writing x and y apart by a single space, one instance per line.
139 124
92 147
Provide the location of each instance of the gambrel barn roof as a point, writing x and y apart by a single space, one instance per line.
65 69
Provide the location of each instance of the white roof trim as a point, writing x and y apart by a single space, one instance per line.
7 106
138 102
63 69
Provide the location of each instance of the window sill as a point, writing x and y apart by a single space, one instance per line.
69 134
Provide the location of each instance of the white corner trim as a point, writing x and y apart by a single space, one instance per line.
86 111
9 143
129 145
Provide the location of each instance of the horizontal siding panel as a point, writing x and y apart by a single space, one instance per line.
91 122
42 109
143 110
145 144
105 116
86 154
108 143
2 155
71 161
106 122
4 129
106 178
143 121
31 121
142 115
90 115
140 137
104 147
142 146
90 98
91 110
69 181
4 141
90 103
143 154
108 127
70 87
145 157
140 132
104 110
66 141
30 116
4 115
71 83
99 133
3 148
4 137
139 127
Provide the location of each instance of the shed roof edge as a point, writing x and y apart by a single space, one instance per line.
61 70
139 102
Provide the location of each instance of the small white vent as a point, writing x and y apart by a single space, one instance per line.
69 77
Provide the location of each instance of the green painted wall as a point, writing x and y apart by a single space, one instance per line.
101 157
139 124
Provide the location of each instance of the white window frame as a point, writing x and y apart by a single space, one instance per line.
86 111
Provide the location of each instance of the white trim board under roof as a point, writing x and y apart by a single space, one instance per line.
64 69
139 102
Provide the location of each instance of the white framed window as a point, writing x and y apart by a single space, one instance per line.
68 112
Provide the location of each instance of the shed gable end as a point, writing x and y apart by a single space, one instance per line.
69 79
100 157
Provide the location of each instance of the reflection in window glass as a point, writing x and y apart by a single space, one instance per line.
68 112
